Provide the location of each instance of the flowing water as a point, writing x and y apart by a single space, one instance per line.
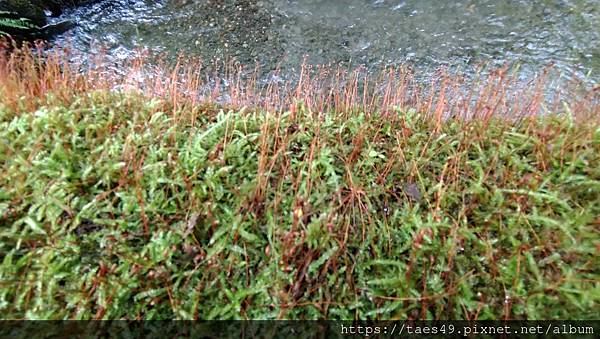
458 34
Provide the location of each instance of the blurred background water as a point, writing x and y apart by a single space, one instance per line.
458 34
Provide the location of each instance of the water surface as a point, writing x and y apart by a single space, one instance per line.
424 33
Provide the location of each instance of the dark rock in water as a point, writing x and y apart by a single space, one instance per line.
57 6
18 9
26 19
54 6
54 29
44 32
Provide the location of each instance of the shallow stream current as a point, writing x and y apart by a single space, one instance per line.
427 34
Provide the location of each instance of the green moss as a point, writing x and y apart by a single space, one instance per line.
118 207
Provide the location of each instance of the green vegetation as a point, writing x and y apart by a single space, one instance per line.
115 204
25 20
8 24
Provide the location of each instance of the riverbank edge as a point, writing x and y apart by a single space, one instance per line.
115 204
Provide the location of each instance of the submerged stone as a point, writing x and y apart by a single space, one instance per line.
31 20
23 9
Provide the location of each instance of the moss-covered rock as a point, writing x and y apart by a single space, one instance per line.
27 20
24 9
54 6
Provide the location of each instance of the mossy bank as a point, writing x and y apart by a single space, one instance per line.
119 206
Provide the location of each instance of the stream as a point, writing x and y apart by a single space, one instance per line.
457 34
